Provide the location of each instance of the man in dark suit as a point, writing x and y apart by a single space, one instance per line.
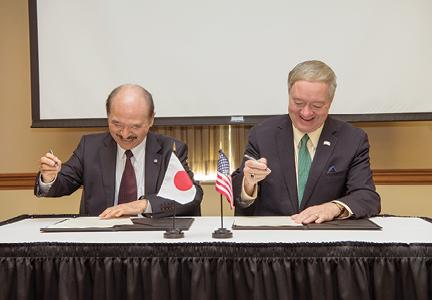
100 161
306 164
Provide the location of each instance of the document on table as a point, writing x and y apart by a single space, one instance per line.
283 221
286 223
82 224
90 222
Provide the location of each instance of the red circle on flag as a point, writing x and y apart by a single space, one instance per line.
182 181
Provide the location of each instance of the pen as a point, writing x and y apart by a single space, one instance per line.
254 159
51 152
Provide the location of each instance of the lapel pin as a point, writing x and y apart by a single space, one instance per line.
155 161
326 143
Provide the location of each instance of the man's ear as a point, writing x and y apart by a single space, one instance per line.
152 119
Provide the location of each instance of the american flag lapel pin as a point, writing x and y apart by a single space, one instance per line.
326 143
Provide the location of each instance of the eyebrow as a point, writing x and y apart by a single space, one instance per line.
311 102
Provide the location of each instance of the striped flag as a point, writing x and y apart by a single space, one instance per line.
223 180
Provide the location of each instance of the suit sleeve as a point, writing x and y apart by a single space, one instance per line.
242 208
360 195
162 207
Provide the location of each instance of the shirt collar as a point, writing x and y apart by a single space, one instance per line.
313 136
138 151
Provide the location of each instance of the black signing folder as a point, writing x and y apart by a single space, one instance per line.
346 224
163 223
92 224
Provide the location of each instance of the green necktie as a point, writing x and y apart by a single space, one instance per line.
304 164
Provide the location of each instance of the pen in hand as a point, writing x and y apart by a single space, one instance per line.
254 159
51 152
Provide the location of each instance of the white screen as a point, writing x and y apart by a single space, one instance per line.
204 58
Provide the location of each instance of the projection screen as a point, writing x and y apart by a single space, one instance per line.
225 62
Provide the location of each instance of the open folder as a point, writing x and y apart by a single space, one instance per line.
80 224
285 223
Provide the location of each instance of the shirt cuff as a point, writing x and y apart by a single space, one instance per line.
247 200
45 186
148 209
345 213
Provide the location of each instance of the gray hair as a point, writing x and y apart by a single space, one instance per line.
313 70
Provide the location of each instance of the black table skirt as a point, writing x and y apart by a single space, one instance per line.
348 270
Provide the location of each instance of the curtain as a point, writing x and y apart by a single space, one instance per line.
348 270
204 143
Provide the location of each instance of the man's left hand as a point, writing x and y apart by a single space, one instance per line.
317 214
131 208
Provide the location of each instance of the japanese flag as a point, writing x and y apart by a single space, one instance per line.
177 184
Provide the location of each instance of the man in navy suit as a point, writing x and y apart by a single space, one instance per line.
328 177
99 162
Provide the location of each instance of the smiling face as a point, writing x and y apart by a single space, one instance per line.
129 119
309 104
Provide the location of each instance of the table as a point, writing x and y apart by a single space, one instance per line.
393 263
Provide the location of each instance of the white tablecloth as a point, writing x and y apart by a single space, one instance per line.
394 230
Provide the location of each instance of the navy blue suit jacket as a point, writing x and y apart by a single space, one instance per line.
93 166
340 170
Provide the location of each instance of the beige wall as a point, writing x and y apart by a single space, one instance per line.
394 145
400 145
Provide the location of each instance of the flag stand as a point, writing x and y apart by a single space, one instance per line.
222 233
174 232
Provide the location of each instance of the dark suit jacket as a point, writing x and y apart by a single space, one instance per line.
93 164
340 170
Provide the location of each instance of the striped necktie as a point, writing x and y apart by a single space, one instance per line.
304 164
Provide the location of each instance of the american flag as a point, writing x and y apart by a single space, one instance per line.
223 180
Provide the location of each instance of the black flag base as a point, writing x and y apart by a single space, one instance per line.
174 233
222 233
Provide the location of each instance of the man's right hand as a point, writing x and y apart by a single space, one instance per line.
132 208
49 167
254 172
